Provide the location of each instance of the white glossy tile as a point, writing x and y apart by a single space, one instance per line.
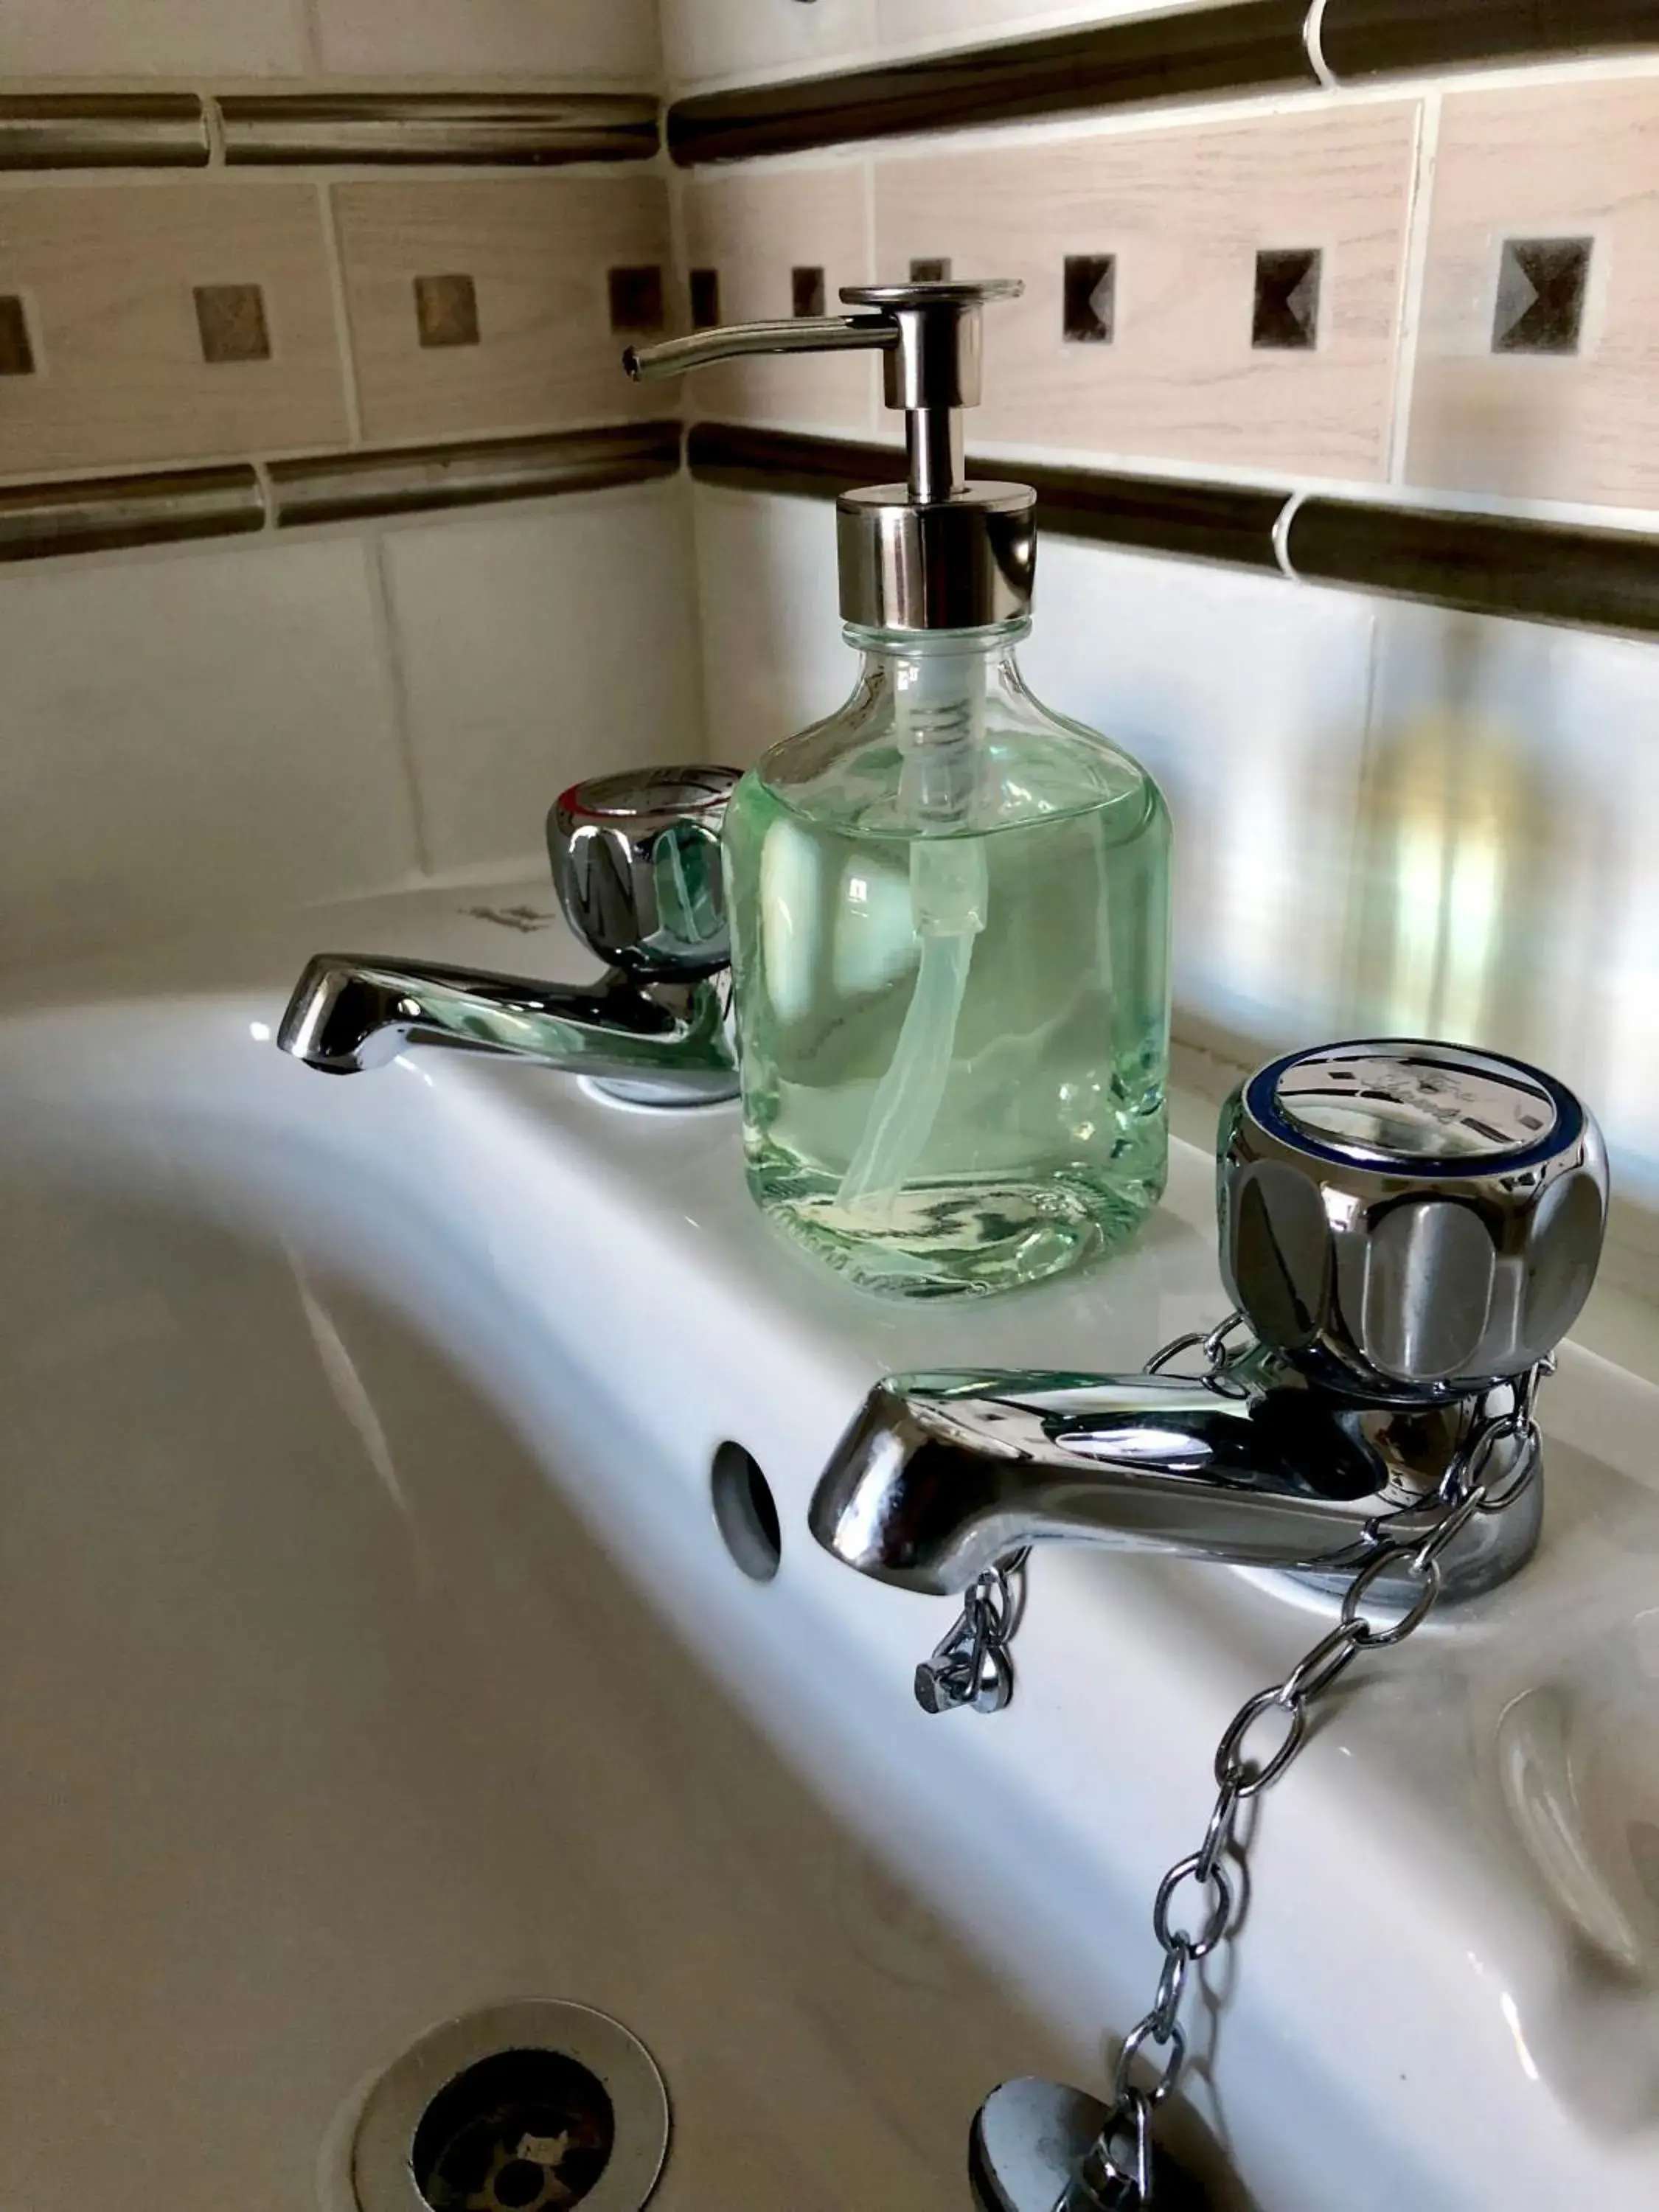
709 39
537 648
1246 697
907 24
773 660
164 38
472 39
190 738
1504 891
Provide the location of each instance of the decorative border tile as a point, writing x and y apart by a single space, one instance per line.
504 130
1483 564
1366 37
103 131
98 514
1151 514
127 130
1480 563
1245 46
112 512
421 478
1248 46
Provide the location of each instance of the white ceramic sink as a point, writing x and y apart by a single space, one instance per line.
371 1654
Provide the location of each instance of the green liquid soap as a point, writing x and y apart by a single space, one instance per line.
950 915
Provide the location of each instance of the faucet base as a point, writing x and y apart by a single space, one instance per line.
648 1097
1027 2150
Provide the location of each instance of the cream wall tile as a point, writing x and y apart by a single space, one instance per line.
539 647
1246 696
1184 210
773 659
107 276
1564 160
537 250
707 38
164 38
755 228
1504 886
472 39
909 23
189 739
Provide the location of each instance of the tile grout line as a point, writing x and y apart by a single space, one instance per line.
311 19
397 696
267 495
213 124
1313 41
872 409
1414 281
337 286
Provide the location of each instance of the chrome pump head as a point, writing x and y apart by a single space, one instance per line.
936 552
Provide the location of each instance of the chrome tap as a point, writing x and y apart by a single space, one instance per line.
636 864
1409 1229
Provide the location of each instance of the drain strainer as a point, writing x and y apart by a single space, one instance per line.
527 2107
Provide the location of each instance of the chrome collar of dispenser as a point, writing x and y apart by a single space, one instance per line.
935 552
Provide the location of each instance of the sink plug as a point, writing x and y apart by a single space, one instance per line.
1408 1230
636 864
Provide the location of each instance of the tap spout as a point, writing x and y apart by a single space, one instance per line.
942 1474
663 1038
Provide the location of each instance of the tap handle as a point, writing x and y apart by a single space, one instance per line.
636 864
1407 1220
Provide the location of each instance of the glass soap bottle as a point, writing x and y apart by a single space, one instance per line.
949 906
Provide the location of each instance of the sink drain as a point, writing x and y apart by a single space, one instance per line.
527 2107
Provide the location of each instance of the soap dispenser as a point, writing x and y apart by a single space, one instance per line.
949 907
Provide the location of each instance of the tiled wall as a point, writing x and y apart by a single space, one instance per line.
199 732
1446 292
564 40
732 41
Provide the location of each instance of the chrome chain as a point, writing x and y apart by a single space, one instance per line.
970 1665
1118 2170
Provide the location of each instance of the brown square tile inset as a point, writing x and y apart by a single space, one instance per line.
635 299
705 299
1089 298
1285 317
806 291
1541 283
446 310
16 354
230 319
931 268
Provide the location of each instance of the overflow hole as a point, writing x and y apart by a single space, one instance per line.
745 1512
